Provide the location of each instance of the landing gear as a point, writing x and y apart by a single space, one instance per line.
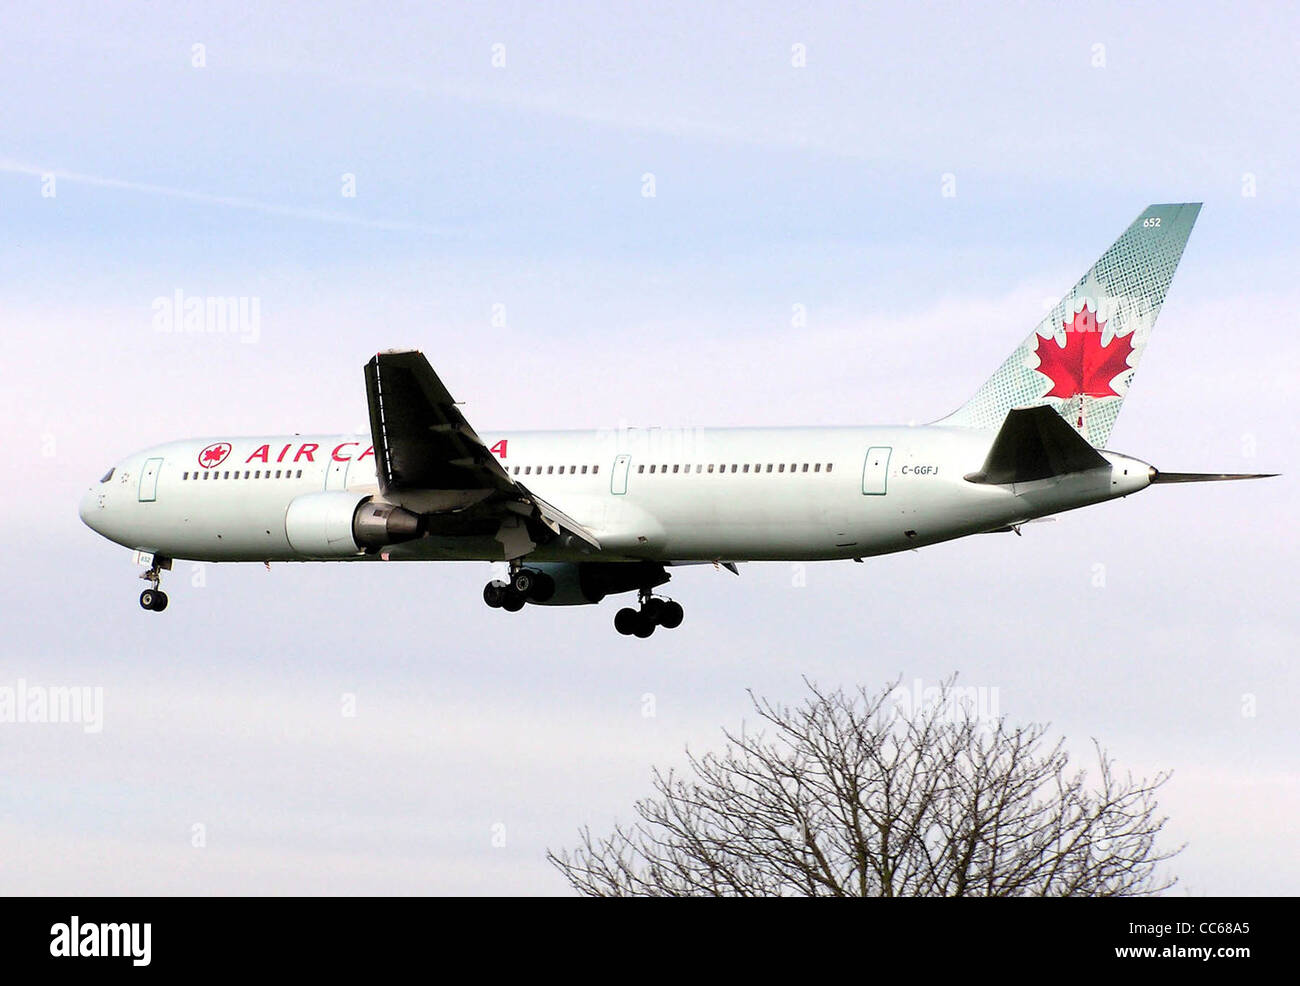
502 595
534 586
670 618
526 585
494 593
654 612
153 598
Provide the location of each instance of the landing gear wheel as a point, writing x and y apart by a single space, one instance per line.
644 626
670 617
543 587
513 601
653 609
523 582
625 621
494 594
153 599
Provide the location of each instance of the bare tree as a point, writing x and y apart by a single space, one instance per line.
857 794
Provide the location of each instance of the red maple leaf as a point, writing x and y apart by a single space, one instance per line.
1083 365
214 455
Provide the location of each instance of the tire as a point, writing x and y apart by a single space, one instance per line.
671 616
653 610
625 621
147 599
644 627
523 582
543 587
494 594
159 602
513 602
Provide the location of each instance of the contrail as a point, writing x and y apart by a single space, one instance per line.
229 201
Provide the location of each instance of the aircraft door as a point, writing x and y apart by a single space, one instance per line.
875 471
149 480
618 478
336 474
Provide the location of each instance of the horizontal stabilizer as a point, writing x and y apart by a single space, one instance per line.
1204 477
1036 443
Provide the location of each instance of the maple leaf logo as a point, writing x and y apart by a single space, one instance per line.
214 455
1083 365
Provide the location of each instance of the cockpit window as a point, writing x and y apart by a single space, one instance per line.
107 476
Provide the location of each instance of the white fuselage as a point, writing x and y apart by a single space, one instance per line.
746 494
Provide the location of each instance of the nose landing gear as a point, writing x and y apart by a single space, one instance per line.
655 611
154 598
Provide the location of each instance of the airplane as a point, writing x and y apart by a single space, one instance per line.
581 515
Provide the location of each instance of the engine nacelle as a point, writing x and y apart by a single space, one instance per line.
339 525
586 583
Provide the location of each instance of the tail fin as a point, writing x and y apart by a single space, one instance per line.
1082 357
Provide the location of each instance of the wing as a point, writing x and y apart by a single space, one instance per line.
430 460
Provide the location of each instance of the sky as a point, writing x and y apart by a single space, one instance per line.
857 211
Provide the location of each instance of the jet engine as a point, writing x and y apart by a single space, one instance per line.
336 524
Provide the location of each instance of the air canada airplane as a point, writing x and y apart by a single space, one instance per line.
579 515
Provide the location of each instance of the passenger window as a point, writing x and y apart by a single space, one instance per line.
640 469
652 470
805 467
816 468
710 467
595 469
299 476
205 475
781 467
733 467
184 475
277 474
746 469
675 468
829 465
584 470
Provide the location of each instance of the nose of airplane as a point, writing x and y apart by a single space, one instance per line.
90 508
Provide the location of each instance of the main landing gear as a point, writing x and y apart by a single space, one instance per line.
154 598
655 611
525 585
